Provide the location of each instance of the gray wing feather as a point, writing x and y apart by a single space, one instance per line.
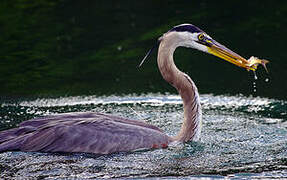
82 132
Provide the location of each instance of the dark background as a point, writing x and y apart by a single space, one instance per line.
72 47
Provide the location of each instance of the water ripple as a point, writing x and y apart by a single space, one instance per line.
242 137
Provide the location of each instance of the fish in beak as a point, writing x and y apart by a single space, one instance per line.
223 52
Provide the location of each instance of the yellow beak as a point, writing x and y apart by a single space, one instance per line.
224 53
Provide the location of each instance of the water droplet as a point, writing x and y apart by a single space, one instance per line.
255 76
254 87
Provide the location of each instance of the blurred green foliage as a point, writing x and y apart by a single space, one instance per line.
69 47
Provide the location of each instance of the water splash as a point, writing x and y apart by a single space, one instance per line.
241 136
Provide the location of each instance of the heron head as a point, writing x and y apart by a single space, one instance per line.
193 37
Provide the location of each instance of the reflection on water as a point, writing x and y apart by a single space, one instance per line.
241 137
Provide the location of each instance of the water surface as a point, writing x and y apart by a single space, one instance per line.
241 137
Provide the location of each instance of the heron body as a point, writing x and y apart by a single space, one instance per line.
102 133
82 132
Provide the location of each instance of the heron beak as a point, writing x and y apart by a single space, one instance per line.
222 52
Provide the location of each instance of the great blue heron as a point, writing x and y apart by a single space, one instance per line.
102 133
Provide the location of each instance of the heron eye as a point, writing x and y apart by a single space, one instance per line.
200 37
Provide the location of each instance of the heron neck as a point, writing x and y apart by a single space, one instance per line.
190 129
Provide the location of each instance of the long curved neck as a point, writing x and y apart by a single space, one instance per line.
191 127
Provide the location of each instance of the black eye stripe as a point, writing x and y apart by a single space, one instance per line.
204 40
186 28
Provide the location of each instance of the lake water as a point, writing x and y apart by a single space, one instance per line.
242 137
